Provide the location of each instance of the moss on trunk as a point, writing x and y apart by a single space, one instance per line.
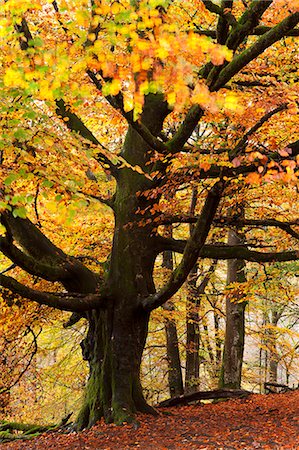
116 337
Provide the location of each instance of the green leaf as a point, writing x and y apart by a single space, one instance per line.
47 183
36 42
20 212
10 179
30 115
20 134
3 205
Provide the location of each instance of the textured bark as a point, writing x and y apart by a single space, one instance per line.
116 337
192 319
205 395
231 371
193 334
175 378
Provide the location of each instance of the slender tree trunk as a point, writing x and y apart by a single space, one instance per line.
231 371
175 378
273 352
218 344
192 321
193 334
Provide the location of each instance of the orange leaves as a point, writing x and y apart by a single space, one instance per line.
258 421
205 166
133 40
254 178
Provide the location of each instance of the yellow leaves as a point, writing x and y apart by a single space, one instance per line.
128 102
171 98
115 8
230 101
45 90
112 88
201 94
143 44
82 17
163 49
20 6
14 77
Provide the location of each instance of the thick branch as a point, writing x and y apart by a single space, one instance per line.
204 395
64 302
238 252
248 55
226 19
37 246
226 221
74 123
191 251
257 31
221 11
186 129
247 23
117 102
31 265
223 251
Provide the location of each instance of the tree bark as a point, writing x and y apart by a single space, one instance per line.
205 395
231 371
116 336
193 334
192 320
175 378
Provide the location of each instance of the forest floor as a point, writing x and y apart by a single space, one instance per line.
256 422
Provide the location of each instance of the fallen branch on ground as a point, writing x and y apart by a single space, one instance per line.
205 395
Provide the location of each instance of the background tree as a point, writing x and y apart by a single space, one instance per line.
125 59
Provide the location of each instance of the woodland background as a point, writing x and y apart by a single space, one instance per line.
66 193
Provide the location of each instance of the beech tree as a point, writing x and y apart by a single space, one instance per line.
73 74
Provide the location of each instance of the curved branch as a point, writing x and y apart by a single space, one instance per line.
244 140
223 251
239 223
65 302
74 275
191 250
31 265
74 123
241 60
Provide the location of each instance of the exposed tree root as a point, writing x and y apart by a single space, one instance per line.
10 431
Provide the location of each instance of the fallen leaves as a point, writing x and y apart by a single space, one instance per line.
257 422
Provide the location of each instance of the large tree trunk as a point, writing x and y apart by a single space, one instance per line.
116 337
